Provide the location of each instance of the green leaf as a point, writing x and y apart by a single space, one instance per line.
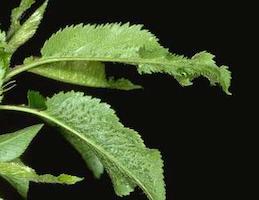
90 74
130 45
4 66
17 14
88 155
20 175
36 100
2 39
4 57
2 75
12 145
20 184
89 124
20 34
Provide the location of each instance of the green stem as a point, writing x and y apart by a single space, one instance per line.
22 109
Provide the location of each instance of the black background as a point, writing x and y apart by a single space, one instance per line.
194 127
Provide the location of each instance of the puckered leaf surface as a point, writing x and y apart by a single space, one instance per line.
92 127
125 44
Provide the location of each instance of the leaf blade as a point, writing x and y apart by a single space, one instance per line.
27 29
19 176
16 15
13 145
89 156
2 75
109 139
91 74
131 45
20 184
121 150
36 100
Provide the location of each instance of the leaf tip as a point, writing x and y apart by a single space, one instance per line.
68 179
225 79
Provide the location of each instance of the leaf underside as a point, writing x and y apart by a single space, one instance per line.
36 100
124 44
20 184
13 145
95 131
19 176
91 74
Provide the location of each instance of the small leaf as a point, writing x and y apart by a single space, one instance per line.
17 14
20 184
36 100
12 145
91 74
27 29
61 179
19 176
